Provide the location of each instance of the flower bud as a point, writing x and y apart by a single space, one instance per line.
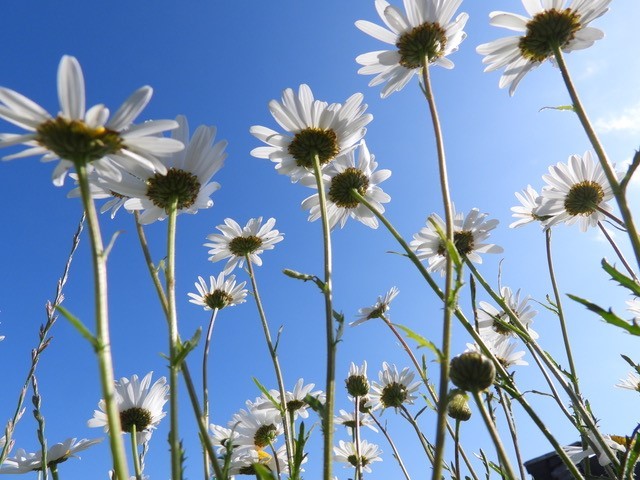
458 407
472 372
357 385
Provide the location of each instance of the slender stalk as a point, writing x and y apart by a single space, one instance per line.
103 351
616 249
456 441
54 472
202 427
396 454
327 421
356 435
423 442
508 414
449 293
612 178
174 436
563 324
288 431
36 400
612 217
504 459
205 385
149 261
134 453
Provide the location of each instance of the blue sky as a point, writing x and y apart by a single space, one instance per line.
220 63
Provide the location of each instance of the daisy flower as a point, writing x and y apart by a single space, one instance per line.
314 128
100 189
236 243
242 462
395 388
186 178
469 233
25 462
551 23
222 436
576 453
348 419
632 382
527 212
503 349
424 32
139 403
357 382
346 452
378 310
296 400
575 192
257 428
633 306
488 316
339 178
84 136
220 293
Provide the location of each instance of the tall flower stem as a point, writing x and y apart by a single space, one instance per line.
205 384
616 249
327 421
356 435
134 453
617 189
563 324
504 459
170 277
103 349
428 449
508 414
449 293
396 454
149 261
288 428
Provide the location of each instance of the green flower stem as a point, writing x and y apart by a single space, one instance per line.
327 421
205 387
356 435
456 441
152 268
134 453
576 400
202 427
428 449
54 472
36 400
396 454
170 276
616 249
288 428
449 292
504 459
617 189
508 415
563 324
103 351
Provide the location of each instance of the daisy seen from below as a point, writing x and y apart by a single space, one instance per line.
469 234
576 191
340 177
221 292
348 419
296 399
394 388
185 181
139 403
25 462
423 33
100 189
502 348
257 428
314 128
243 461
632 382
86 137
576 452
346 452
378 310
239 243
633 306
357 383
527 211
551 24
491 320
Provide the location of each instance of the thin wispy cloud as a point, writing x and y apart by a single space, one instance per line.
627 121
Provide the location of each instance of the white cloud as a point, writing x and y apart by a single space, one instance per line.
627 121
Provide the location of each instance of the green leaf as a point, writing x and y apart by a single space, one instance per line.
569 108
266 393
262 472
187 347
421 341
631 459
77 323
621 278
635 366
608 316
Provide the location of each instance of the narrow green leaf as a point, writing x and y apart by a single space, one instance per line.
262 472
621 278
631 458
635 366
266 393
187 347
77 323
608 316
420 340
569 108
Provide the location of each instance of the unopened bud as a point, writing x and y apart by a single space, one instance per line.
458 406
472 372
